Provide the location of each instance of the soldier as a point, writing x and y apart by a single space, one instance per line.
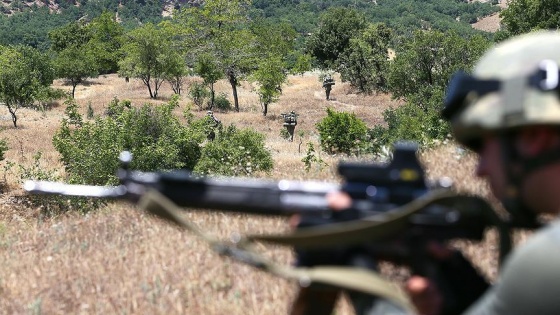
290 122
328 82
508 112
217 124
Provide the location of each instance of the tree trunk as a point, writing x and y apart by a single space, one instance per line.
233 81
74 84
212 96
13 113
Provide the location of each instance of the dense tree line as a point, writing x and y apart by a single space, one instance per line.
30 25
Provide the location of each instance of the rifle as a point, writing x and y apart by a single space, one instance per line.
394 213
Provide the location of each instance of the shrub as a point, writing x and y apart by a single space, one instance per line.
52 204
3 149
71 112
198 92
342 132
156 138
410 122
311 158
234 153
90 112
221 103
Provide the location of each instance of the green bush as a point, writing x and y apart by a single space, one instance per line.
3 149
71 112
310 158
234 153
50 205
221 103
342 132
156 138
410 122
90 112
198 92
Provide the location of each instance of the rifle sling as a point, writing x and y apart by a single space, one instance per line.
356 279
376 227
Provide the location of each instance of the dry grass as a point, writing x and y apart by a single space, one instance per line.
119 260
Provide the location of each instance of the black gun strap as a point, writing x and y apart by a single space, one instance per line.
355 279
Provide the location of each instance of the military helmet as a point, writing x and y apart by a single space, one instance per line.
514 84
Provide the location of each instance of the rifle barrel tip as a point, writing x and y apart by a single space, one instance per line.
29 185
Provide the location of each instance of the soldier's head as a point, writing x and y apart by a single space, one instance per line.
508 111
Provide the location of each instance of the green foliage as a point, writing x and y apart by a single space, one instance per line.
75 64
419 75
156 138
221 103
364 62
198 93
311 158
336 27
31 27
53 204
105 41
285 134
148 55
402 15
302 64
342 132
71 112
270 76
25 77
116 108
207 67
3 149
234 153
90 112
410 122
425 62
523 16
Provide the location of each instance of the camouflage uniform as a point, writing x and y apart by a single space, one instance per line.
328 82
515 85
290 122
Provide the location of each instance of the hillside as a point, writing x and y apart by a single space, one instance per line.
120 260
29 22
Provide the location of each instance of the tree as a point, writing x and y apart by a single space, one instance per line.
75 64
71 34
25 77
146 54
270 76
425 62
219 28
209 70
419 75
105 41
522 16
74 59
365 62
336 27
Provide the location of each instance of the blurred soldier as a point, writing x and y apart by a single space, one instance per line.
508 112
328 82
217 124
290 122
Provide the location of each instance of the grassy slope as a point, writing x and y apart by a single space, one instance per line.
119 260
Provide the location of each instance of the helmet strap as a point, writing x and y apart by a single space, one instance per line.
516 169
